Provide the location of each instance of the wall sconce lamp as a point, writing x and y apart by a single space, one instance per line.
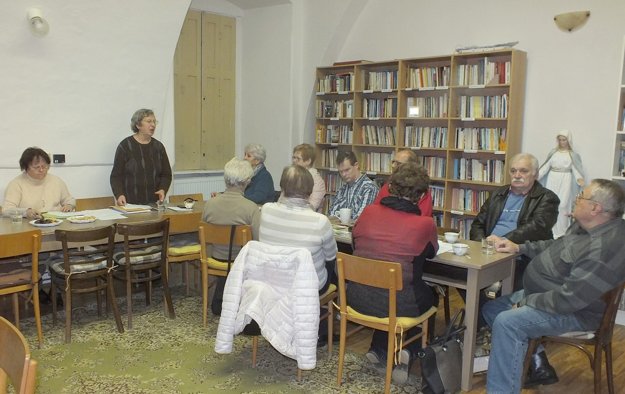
570 21
38 25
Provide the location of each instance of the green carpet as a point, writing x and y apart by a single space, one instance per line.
161 355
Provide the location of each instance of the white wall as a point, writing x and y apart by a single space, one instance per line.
74 90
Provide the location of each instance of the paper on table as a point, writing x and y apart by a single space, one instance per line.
132 208
180 209
444 247
102 214
59 214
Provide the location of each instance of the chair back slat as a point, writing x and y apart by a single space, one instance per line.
179 198
83 204
183 222
156 233
216 234
15 358
101 242
18 244
371 272
612 299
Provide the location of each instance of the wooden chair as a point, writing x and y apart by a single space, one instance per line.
384 275
16 365
214 234
21 280
83 204
326 301
85 270
143 261
179 198
185 253
601 340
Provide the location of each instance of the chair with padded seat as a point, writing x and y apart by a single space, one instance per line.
384 275
16 364
215 234
183 250
85 270
143 260
83 204
600 340
19 280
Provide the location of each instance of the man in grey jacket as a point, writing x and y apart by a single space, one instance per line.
562 285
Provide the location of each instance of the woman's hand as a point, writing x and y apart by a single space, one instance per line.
67 208
121 200
32 214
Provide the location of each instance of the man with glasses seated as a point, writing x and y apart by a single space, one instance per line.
562 286
357 191
404 156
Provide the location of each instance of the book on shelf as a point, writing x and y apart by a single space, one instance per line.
132 208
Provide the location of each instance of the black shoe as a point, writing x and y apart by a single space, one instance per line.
44 298
540 372
323 340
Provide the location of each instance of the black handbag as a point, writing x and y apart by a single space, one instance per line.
441 361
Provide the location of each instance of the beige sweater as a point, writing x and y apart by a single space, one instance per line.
48 194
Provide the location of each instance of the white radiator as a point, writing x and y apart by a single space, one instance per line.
198 183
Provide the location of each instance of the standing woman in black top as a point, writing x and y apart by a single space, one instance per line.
141 172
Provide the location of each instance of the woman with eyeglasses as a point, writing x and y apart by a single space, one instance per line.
563 173
35 190
141 172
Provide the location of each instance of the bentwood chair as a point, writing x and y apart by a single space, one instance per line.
144 260
83 204
85 270
384 275
600 339
22 280
16 366
234 236
183 250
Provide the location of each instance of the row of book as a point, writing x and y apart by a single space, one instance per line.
335 108
467 199
462 224
376 161
379 108
478 170
378 135
621 161
484 72
474 107
335 83
434 165
380 80
328 157
481 138
425 137
333 181
438 196
428 107
334 134
428 77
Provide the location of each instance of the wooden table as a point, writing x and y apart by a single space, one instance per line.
49 242
482 271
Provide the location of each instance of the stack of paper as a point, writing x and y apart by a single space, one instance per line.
131 208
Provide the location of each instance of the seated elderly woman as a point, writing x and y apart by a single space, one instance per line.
380 233
292 222
227 208
260 190
35 190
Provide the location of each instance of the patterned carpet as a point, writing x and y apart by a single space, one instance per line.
176 356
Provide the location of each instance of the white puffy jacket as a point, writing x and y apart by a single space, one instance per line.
278 287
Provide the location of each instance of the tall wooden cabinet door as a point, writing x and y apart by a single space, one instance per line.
218 90
188 93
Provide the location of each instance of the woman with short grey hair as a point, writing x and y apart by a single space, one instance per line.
260 190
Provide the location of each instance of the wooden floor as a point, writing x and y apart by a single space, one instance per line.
571 364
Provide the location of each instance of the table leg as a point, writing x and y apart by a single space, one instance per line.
470 320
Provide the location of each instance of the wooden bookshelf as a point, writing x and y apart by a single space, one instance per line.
461 114
618 167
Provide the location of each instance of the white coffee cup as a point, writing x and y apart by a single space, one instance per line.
460 249
451 237
345 215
